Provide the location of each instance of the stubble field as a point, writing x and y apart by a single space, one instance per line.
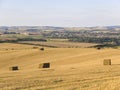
71 68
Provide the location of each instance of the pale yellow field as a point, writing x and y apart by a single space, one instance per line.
71 68
61 44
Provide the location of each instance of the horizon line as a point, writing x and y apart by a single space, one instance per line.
55 26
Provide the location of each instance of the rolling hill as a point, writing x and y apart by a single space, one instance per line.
71 68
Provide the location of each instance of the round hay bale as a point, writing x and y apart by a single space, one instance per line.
14 68
98 48
42 49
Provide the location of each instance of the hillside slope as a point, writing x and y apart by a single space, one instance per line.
71 68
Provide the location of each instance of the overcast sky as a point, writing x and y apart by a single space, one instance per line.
68 13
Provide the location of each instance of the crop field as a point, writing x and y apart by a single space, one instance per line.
60 44
70 68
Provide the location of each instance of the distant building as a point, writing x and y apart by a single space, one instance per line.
25 33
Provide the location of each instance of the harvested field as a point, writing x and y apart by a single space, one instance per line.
60 44
71 68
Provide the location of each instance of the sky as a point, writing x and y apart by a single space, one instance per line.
64 13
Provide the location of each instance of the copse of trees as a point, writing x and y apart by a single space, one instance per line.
8 41
11 33
115 41
23 39
31 39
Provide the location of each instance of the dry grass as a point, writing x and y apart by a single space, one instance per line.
71 68
61 44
